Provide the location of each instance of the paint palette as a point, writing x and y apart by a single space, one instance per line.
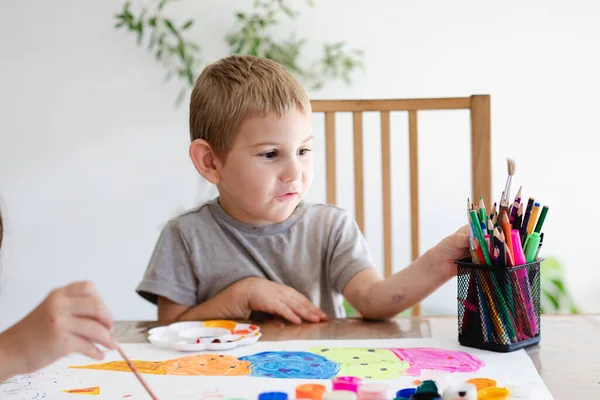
204 335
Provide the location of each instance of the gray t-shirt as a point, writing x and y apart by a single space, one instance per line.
316 251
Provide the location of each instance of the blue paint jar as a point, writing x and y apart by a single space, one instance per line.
273 396
405 394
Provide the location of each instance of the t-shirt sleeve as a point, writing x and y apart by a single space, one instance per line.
170 272
349 252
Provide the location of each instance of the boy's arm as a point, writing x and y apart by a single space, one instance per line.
241 298
230 303
377 298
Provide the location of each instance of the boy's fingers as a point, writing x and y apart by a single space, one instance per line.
315 310
305 312
464 229
307 309
287 313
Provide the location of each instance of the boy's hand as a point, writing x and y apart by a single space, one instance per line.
452 248
277 299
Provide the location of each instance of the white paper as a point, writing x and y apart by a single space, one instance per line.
49 382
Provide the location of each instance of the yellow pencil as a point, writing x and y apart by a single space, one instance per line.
533 218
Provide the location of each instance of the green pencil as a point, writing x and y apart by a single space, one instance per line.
481 237
540 221
483 214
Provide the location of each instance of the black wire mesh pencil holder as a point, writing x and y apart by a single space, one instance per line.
498 307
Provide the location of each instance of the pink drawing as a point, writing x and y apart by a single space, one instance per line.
444 360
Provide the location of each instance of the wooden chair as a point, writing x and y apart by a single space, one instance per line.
479 106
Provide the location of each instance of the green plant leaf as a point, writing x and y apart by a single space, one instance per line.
171 27
559 285
553 300
252 34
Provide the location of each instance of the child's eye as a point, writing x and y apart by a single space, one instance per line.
304 152
269 155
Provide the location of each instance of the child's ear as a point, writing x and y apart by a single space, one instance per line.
205 160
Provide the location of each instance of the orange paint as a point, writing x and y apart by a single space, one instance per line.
199 365
310 391
482 383
94 391
417 382
229 325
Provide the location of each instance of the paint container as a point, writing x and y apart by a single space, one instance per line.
427 390
441 378
405 394
339 395
493 393
461 391
273 396
310 391
374 391
349 383
482 383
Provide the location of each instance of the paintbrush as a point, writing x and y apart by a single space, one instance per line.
136 373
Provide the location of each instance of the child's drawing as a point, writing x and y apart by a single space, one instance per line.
314 363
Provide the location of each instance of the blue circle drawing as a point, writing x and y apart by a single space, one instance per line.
291 365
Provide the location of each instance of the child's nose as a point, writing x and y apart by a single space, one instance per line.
292 172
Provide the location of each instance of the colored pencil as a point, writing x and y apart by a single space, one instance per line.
540 222
526 217
480 237
515 206
532 219
505 226
519 219
493 212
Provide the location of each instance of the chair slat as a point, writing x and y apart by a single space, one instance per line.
481 148
359 205
386 186
330 158
414 190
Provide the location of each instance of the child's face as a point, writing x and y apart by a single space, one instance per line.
268 169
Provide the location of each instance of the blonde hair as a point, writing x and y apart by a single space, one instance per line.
239 87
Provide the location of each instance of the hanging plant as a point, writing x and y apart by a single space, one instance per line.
252 34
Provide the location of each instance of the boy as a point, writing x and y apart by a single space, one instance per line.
258 247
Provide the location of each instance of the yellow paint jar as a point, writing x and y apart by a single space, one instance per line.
493 393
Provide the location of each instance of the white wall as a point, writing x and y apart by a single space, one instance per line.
93 154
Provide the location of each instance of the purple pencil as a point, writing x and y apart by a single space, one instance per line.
515 207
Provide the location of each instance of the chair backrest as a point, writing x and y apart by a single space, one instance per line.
479 106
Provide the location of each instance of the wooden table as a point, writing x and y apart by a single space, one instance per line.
567 358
